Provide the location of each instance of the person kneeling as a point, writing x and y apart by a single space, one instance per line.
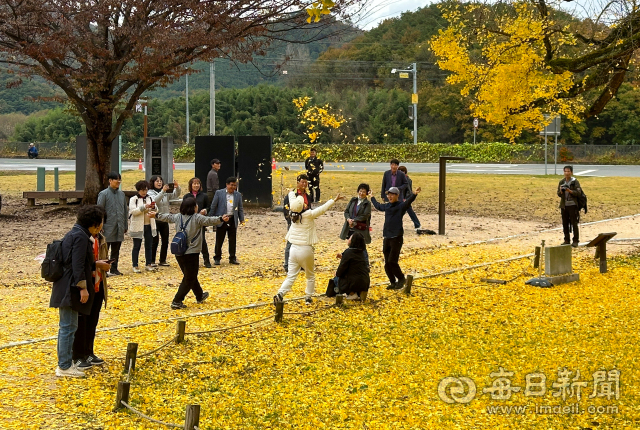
352 275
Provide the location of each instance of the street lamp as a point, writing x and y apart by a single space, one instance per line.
414 97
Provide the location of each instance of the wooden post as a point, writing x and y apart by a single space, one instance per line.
442 189
41 179
602 251
279 311
339 299
31 201
62 201
192 418
122 394
536 259
130 358
180 328
56 180
407 286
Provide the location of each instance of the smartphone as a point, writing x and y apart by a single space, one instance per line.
110 261
171 188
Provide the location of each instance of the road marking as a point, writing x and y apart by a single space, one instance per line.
585 172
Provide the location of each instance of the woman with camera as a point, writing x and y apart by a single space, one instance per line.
161 194
141 226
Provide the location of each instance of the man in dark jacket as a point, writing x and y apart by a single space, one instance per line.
213 182
314 167
113 201
393 234
393 178
301 190
74 292
228 202
568 191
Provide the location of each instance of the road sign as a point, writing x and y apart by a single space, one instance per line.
404 75
475 123
414 99
553 129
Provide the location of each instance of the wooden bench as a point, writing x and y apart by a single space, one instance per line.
62 196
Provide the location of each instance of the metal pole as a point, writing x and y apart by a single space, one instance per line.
474 134
441 195
187 97
545 149
555 155
415 105
212 98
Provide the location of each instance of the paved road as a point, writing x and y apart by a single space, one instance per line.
502 169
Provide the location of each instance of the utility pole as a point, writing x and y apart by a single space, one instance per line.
414 99
187 97
212 98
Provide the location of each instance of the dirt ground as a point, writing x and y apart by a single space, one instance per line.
25 232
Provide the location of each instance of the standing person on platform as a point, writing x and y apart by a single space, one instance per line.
393 178
227 202
113 201
407 193
191 222
73 293
314 167
569 190
301 190
161 194
141 226
195 189
393 234
302 236
213 181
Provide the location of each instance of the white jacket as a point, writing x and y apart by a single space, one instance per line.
303 232
137 210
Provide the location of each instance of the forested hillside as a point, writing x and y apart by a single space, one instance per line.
352 76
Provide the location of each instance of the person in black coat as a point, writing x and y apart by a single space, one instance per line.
195 188
314 167
74 292
352 275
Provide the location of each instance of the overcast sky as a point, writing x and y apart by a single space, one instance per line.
382 9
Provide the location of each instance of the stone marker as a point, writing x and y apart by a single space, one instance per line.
557 260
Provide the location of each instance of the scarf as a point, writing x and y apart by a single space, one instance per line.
97 277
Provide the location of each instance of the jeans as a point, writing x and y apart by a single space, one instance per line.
66 333
87 324
115 254
570 215
301 257
226 229
148 247
163 232
189 264
391 249
414 217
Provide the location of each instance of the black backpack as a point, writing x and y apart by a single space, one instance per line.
180 243
53 265
582 201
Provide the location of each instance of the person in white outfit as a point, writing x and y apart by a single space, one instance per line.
302 236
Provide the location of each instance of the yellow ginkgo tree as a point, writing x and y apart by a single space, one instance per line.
520 59
316 118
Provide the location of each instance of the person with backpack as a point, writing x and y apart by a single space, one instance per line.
160 193
195 189
302 236
570 194
113 201
189 224
141 226
393 234
73 293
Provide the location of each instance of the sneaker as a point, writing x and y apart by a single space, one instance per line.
419 227
136 270
207 264
150 268
308 301
82 364
154 265
164 263
94 360
234 261
400 284
216 262
204 297
71 372
391 286
116 273
353 296
178 305
575 244
277 299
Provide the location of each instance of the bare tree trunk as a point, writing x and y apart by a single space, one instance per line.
98 157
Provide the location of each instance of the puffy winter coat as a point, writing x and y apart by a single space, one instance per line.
303 232
137 209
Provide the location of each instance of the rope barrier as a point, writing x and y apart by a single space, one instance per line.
158 348
309 312
149 418
230 328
